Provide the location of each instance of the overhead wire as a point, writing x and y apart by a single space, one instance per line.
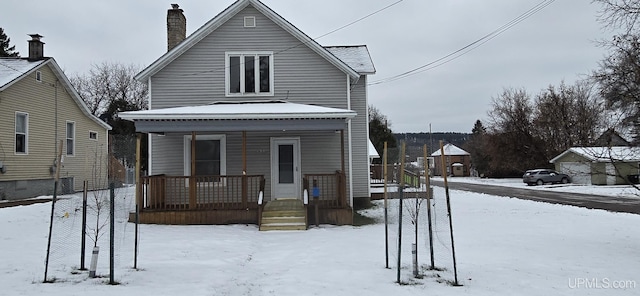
311 39
467 48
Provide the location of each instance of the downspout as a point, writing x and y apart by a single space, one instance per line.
349 143
55 124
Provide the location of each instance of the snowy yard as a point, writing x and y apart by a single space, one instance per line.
504 246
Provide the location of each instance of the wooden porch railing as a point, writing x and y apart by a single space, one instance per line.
162 192
332 189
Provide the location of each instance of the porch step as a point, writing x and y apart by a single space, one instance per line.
284 214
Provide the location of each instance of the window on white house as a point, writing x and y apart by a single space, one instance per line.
22 133
210 157
93 135
249 74
71 136
38 76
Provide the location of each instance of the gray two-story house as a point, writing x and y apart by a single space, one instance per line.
248 110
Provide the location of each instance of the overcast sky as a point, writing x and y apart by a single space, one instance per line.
555 44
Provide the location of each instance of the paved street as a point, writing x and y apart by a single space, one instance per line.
610 203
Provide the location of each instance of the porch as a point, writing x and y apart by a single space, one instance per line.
221 163
185 200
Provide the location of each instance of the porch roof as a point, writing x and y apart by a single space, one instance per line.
239 116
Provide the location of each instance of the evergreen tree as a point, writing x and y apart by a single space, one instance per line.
379 132
477 148
5 49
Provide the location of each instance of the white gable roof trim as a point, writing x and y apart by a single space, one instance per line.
29 67
12 69
223 17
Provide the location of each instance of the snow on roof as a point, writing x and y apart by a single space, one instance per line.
13 68
357 57
450 149
373 153
241 110
603 154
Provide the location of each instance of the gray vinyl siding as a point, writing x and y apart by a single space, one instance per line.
197 77
47 125
359 139
320 153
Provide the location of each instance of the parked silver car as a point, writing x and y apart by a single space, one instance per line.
541 176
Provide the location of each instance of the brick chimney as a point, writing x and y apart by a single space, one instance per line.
36 47
176 26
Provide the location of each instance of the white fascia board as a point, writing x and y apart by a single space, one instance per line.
241 116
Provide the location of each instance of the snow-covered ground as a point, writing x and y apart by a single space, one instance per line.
504 247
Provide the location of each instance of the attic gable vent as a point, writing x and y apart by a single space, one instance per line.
249 21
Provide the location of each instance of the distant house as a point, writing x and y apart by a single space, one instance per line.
611 138
599 165
249 109
457 161
39 108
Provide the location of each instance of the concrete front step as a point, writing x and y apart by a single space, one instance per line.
283 226
292 213
286 220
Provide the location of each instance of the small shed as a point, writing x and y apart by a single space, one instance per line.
458 169
599 165
457 161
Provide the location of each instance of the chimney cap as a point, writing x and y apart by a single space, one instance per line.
175 6
35 37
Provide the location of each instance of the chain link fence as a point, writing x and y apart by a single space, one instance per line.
418 229
81 223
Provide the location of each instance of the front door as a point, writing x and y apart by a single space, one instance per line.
285 168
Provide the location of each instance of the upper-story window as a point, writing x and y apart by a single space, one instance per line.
249 74
71 138
22 133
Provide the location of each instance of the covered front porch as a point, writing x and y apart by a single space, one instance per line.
223 163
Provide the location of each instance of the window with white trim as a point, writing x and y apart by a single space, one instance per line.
39 76
249 74
211 154
22 133
93 135
71 138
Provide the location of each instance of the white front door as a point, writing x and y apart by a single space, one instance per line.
285 168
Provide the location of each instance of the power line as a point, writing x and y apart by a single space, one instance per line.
311 39
467 48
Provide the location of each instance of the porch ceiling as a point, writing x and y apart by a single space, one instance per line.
240 116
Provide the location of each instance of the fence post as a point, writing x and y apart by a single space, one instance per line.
446 190
111 233
83 243
401 196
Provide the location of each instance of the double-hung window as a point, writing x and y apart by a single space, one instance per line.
210 158
21 131
249 74
71 136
